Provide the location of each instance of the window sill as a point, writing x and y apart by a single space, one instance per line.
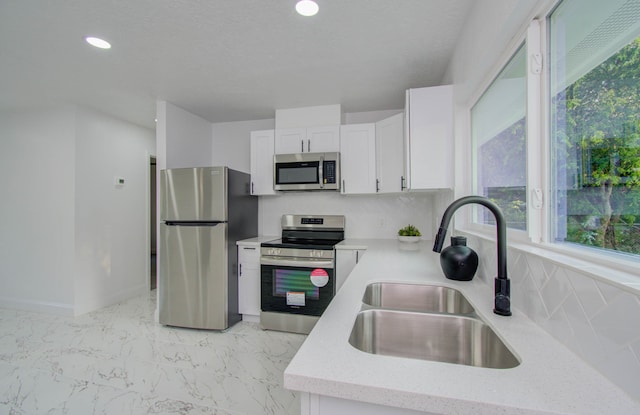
618 271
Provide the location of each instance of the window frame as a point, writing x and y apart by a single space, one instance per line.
620 261
466 221
539 235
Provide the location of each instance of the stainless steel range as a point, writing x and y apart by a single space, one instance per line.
298 272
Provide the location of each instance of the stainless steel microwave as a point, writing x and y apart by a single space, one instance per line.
306 171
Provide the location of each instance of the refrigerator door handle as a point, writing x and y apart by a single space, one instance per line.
190 223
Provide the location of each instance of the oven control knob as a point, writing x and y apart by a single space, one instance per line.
316 253
274 251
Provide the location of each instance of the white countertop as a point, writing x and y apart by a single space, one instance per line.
256 241
549 380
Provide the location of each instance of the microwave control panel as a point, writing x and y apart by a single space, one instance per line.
329 169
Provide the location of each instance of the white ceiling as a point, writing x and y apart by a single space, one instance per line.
224 60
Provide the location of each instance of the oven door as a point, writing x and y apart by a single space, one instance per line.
296 286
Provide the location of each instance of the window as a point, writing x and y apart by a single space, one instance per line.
498 125
595 123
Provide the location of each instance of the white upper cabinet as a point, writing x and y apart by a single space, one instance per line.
290 140
262 145
308 140
390 154
358 158
429 138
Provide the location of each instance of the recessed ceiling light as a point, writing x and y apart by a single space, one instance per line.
97 42
307 7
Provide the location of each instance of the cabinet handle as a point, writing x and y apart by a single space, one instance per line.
402 186
252 188
344 188
377 185
249 248
240 269
309 145
302 145
357 256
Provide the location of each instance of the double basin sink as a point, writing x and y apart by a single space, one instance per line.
427 322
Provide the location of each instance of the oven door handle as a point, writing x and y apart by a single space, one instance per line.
290 262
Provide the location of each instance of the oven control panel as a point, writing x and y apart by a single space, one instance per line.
297 252
272 251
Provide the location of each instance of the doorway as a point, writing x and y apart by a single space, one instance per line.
152 223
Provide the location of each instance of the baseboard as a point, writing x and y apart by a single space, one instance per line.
59 309
122 295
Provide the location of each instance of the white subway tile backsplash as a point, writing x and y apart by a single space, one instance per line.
599 322
620 320
609 292
555 290
623 368
558 326
539 274
367 216
588 293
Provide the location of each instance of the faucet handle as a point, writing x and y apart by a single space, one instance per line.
502 300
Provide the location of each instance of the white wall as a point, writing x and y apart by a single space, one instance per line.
111 228
304 117
369 116
232 142
70 243
183 139
37 171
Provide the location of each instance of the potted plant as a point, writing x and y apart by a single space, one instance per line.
409 234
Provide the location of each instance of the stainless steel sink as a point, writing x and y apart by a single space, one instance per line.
440 337
416 297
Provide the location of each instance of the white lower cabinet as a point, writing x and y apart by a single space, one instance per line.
313 404
346 260
249 279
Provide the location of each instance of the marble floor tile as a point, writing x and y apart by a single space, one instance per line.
117 360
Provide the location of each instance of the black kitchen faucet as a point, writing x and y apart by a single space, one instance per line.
502 300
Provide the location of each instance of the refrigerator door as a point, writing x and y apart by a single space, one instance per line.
193 278
193 194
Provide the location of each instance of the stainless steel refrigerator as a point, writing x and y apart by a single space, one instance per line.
203 212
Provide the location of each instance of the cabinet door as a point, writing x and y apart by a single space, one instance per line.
323 139
389 154
249 280
358 158
346 260
292 140
262 162
430 138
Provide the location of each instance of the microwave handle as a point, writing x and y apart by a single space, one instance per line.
321 172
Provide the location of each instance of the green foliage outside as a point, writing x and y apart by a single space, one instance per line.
598 136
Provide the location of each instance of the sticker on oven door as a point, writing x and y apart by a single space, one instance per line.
295 298
319 277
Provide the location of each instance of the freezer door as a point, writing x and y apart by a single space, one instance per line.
194 194
193 277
